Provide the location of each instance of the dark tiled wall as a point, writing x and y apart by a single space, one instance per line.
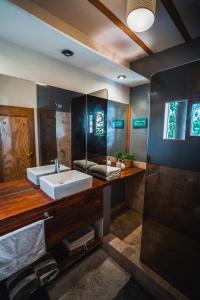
139 101
116 137
182 83
171 225
78 127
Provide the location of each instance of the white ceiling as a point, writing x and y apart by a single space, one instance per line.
20 27
26 30
85 17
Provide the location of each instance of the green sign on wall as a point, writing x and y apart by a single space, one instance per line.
118 124
140 123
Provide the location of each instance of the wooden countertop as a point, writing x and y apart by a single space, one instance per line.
21 196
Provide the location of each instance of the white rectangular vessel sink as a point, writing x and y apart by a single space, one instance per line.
33 174
65 184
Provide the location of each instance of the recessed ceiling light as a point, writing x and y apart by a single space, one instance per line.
42 84
67 52
121 77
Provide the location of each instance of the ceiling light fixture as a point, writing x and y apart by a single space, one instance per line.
140 14
41 83
121 77
67 52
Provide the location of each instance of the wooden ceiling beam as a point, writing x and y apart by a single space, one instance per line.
113 18
176 18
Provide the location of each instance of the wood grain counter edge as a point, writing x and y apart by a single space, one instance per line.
22 197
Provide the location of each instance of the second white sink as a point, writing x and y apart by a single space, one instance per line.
35 173
58 186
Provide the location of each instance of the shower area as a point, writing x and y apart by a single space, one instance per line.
159 241
171 225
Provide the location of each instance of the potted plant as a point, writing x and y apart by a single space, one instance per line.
128 159
118 155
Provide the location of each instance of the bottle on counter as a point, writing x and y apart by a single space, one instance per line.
118 163
123 166
109 163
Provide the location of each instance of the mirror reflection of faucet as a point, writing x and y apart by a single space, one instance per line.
57 165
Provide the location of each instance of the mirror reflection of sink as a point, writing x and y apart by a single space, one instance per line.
35 173
58 186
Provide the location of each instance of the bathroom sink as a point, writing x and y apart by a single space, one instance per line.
64 184
35 173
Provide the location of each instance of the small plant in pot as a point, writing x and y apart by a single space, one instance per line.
128 159
118 155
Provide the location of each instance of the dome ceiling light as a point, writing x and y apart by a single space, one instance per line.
140 14
121 77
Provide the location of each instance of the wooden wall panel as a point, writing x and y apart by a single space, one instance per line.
63 137
17 142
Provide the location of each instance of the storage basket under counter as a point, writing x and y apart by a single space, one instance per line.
76 246
79 241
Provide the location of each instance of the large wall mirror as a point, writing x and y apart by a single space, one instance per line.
55 108
39 123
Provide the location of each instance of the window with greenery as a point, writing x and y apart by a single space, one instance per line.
175 120
195 120
171 132
91 125
99 128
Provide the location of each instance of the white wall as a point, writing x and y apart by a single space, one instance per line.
27 64
17 92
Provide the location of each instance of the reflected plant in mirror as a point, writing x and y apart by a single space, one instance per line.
175 120
100 123
195 120
172 113
126 158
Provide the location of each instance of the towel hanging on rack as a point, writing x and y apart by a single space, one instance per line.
21 247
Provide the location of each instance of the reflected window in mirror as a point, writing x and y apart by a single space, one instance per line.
195 120
91 123
99 123
175 120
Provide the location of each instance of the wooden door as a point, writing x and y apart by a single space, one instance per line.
17 142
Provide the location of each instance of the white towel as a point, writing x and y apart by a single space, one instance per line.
20 248
105 172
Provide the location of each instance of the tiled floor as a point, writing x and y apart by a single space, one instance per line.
127 226
98 277
123 244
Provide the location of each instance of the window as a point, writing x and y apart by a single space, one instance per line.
99 127
91 123
175 120
195 120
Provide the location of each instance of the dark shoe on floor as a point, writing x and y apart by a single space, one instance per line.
40 294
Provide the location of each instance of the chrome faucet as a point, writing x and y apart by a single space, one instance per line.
57 165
